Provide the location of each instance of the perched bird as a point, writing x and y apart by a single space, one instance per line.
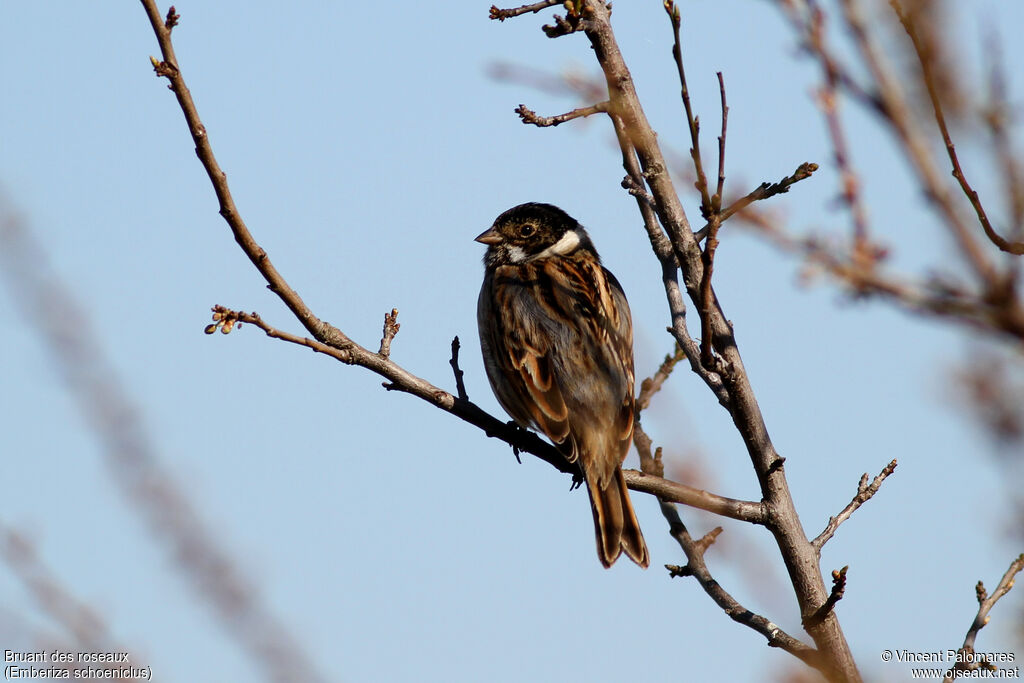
557 342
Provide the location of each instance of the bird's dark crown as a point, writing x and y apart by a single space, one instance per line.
527 230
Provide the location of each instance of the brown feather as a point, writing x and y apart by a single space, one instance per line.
557 342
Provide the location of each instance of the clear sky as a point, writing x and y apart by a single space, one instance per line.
366 145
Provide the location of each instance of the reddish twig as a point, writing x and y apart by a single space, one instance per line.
928 76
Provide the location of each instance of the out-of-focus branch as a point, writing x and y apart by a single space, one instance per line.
904 124
82 622
86 628
966 661
652 385
928 76
938 296
134 464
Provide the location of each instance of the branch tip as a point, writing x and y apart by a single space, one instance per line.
172 18
391 327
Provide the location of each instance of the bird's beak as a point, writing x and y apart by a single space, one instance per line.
489 236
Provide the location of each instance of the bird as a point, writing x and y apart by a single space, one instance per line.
557 342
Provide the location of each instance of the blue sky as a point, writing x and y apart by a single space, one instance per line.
366 147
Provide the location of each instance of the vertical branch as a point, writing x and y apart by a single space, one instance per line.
799 556
692 121
707 356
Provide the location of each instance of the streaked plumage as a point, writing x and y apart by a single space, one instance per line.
557 342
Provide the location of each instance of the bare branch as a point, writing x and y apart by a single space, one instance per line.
864 493
904 124
707 304
651 385
697 568
838 590
692 121
965 659
763 191
133 462
674 492
503 14
716 199
531 117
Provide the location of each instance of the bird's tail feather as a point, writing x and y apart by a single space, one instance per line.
615 523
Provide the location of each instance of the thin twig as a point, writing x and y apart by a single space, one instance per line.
692 121
763 191
503 14
965 659
828 100
928 76
531 117
460 386
864 493
838 590
652 385
716 199
897 114
697 568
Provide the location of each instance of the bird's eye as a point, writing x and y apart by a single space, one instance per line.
525 230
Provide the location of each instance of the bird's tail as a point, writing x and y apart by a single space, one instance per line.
615 523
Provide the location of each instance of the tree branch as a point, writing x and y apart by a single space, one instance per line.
697 568
531 117
503 14
864 494
799 556
928 76
965 660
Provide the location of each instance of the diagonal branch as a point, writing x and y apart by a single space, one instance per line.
697 568
864 493
965 659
